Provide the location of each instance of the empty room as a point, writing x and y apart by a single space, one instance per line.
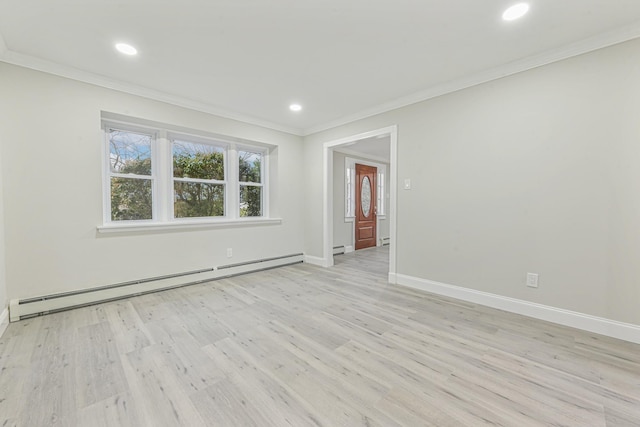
331 213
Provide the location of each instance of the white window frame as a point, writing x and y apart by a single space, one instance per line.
263 168
172 137
163 179
108 174
350 188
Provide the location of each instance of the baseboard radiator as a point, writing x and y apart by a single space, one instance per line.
20 309
386 241
339 250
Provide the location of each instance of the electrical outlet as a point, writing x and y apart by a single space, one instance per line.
229 252
532 280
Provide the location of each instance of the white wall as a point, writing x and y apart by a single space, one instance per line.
51 165
536 172
343 230
3 282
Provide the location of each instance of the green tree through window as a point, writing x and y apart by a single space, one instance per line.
250 177
198 171
131 176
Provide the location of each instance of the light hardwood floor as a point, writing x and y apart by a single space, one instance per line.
304 346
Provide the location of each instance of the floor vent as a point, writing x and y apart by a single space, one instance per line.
20 309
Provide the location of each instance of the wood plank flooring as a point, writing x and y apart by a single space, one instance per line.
307 346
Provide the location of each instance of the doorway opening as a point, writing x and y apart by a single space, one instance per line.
376 151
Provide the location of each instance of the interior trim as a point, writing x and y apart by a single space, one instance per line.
131 227
50 67
611 38
37 306
4 320
586 322
327 190
600 41
315 260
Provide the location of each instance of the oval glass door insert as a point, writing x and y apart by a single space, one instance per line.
365 196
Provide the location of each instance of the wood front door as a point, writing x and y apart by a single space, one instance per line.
365 206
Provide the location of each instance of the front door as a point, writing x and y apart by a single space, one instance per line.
365 206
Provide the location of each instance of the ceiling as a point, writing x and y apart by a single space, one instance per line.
340 59
374 148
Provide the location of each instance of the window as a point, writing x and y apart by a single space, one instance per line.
154 176
250 177
380 195
350 188
130 175
198 180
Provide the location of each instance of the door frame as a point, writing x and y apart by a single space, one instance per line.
327 205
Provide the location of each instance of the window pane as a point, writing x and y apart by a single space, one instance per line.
250 200
200 161
381 194
350 201
130 152
195 199
131 199
250 164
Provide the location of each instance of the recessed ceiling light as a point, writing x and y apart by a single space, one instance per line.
295 107
516 11
127 49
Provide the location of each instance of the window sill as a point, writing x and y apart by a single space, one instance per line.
186 225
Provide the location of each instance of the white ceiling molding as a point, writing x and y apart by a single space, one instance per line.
620 35
587 45
38 64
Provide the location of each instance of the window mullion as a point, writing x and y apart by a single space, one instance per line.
232 189
162 178
106 179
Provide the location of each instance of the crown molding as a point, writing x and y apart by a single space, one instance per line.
50 67
600 41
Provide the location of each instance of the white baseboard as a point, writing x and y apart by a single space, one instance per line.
315 260
4 320
348 249
586 322
27 307
393 278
